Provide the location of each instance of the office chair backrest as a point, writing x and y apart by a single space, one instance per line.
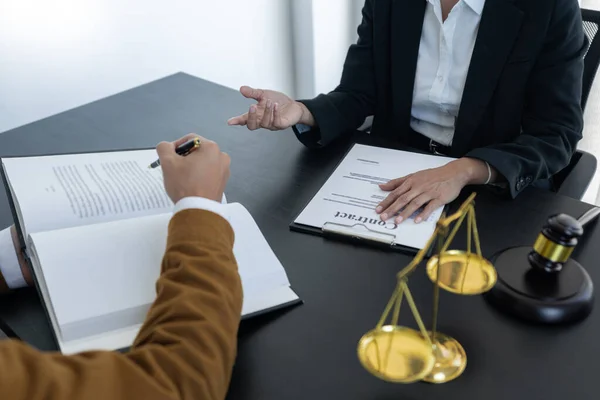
574 180
591 26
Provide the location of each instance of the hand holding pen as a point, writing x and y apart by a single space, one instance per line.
183 149
203 173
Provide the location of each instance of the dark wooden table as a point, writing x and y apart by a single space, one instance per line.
309 351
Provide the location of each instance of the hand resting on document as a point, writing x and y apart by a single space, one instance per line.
430 189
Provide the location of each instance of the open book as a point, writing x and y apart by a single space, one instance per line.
94 228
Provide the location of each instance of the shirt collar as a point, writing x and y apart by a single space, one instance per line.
476 5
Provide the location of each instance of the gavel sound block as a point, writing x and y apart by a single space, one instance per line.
544 284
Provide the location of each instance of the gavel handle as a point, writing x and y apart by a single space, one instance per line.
589 216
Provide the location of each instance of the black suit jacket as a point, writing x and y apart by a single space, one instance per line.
520 109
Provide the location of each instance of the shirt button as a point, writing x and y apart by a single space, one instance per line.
440 78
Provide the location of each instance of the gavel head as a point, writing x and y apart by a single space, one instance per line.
555 244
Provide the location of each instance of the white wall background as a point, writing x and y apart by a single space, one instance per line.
331 21
323 31
59 54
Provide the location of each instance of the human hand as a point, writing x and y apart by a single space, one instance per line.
274 111
202 173
431 189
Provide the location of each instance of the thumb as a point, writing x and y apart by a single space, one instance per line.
165 151
251 93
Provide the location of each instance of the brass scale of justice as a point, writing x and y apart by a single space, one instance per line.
400 354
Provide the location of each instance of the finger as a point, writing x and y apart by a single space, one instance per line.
392 197
399 204
165 151
267 119
262 104
413 206
393 184
206 146
253 118
251 93
277 120
428 210
240 120
184 139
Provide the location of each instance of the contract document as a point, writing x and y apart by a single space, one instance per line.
346 203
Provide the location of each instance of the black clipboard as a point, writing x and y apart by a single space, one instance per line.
357 233
354 234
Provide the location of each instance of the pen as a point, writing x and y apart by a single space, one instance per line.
183 150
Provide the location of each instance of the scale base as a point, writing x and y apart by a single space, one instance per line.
450 360
538 296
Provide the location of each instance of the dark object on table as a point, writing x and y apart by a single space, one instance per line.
543 284
576 177
343 285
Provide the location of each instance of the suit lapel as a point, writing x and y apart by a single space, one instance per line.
498 29
406 26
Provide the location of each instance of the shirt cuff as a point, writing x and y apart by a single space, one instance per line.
301 128
9 262
203 204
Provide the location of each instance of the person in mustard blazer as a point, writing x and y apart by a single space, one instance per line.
495 83
187 346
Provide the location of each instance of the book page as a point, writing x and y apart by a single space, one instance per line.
101 278
55 192
258 265
349 197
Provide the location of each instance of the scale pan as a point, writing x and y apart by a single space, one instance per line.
396 354
462 273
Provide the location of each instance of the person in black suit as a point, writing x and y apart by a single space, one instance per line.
495 83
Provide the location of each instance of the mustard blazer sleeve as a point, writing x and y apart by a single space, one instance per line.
184 350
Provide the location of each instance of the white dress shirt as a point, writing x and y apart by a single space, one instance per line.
203 204
9 263
444 58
